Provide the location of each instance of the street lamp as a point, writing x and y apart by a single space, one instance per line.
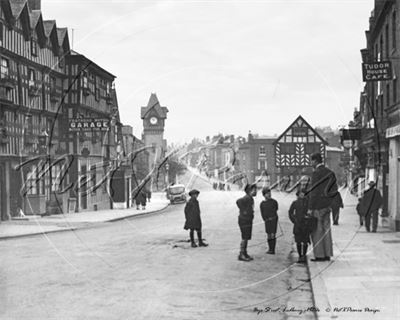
167 173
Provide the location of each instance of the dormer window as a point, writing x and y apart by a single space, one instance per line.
84 80
33 47
31 77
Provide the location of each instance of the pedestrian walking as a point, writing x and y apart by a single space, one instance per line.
337 203
269 213
245 220
143 198
321 192
370 204
193 220
297 214
359 211
148 194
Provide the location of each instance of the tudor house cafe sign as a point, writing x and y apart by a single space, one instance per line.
377 71
89 124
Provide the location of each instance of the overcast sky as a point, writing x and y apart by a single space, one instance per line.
225 66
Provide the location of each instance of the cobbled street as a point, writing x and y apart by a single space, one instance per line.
144 268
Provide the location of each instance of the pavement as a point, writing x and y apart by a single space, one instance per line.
363 279
36 224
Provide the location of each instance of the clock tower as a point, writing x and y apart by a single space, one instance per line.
153 116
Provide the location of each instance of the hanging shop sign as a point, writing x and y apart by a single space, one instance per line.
377 71
393 131
89 124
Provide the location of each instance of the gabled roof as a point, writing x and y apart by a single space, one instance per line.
154 104
48 26
61 32
7 10
300 122
35 17
16 7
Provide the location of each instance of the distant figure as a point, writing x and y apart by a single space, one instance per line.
359 211
140 200
337 203
370 204
148 193
246 216
193 220
321 192
297 214
269 209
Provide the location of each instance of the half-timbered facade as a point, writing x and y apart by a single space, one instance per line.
32 78
44 166
293 149
91 95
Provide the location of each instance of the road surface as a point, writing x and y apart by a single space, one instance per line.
144 268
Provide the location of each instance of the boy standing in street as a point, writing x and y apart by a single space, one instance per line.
269 213
193 220
246 216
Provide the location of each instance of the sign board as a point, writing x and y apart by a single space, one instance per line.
350 134
88 124
393 131
377 71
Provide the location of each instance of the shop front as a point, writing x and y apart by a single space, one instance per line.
393 134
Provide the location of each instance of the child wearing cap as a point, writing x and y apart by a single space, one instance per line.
245 219
193 220
269 213
297 214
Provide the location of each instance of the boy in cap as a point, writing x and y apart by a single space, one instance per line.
269 209
297 214
246 216
193 220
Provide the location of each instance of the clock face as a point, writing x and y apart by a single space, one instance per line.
153 120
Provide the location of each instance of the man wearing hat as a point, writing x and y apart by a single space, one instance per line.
370 204
321 193
193 221
246 216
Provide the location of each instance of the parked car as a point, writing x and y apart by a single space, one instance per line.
176 193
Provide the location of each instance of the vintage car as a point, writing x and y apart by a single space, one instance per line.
176 193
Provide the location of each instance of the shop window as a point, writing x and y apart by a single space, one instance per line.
4 68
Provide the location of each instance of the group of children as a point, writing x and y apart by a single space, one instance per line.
269 213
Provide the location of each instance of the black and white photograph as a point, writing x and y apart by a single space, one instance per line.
199 159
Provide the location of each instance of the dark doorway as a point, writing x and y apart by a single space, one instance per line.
83 188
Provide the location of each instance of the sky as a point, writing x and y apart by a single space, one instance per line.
225 66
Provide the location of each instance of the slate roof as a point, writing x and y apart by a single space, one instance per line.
61 32
17 6
154 104
34 17
48 26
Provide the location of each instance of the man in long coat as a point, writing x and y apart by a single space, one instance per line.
321 193
370 204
